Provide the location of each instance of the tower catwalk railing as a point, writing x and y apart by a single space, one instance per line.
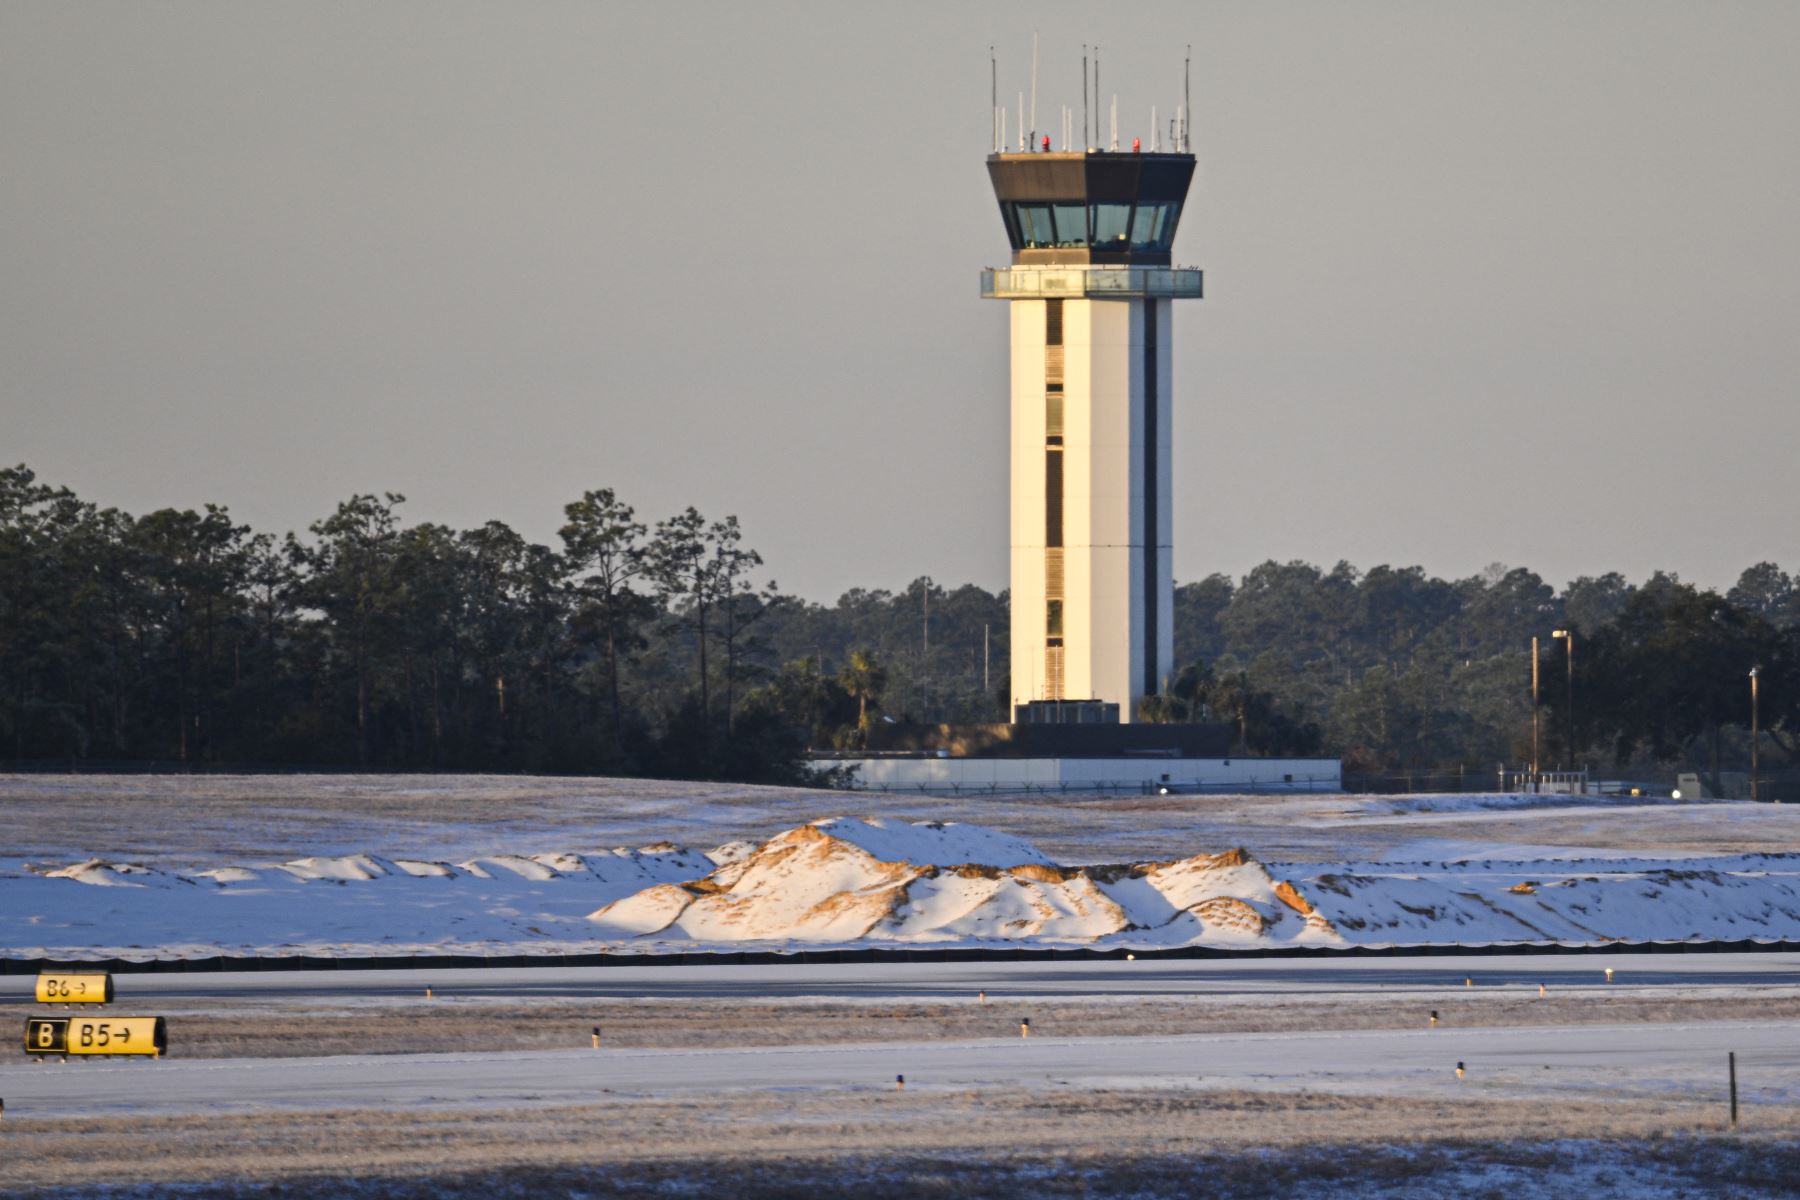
1117 283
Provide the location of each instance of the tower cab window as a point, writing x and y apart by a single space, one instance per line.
1111 223
1153 225
1036 230
1146 227
1071 224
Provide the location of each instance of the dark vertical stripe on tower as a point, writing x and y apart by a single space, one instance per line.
1152 492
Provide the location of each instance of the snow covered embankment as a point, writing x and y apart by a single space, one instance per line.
842 882
874 881
349 906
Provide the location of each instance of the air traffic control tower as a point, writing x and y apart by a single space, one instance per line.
1090 287
1092 592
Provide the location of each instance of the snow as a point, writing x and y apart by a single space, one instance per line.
810 885
104 874
879 882
931 842
349 867
1673 1060
524 868
350 905
353 865
192 822
842 882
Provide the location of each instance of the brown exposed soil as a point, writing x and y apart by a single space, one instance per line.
1290 895
867 907
1228 912
1038 873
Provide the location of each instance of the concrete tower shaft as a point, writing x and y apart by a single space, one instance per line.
1091 286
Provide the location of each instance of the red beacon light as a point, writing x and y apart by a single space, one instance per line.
1046 143
1135 144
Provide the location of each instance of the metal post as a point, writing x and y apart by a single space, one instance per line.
925 632
1731 1060
1568 695
1755 762
1534 714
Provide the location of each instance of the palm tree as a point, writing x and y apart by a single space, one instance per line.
863 678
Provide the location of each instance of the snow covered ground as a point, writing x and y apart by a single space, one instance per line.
1579 1095
843 882
195 821
1680 1061
1049 1137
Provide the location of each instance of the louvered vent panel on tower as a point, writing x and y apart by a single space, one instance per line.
1053 672
1053 364
1053 573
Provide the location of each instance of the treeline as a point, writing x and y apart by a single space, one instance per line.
1397 670
627 646
656 647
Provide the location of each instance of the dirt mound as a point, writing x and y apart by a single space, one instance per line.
846 881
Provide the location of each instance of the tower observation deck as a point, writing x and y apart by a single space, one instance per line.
1090 286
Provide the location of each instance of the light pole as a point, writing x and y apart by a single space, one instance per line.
1754 762
1534 713
1568 638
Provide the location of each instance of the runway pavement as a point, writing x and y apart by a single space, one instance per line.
926 980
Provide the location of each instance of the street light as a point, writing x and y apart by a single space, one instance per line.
1534 713
1754 763
1568 638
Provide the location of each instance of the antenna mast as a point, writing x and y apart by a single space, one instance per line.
1096 93
1034 60
1187 100
1085 143
994 98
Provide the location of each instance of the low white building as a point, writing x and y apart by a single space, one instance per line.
953 776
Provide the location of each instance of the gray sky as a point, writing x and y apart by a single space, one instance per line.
1514 282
